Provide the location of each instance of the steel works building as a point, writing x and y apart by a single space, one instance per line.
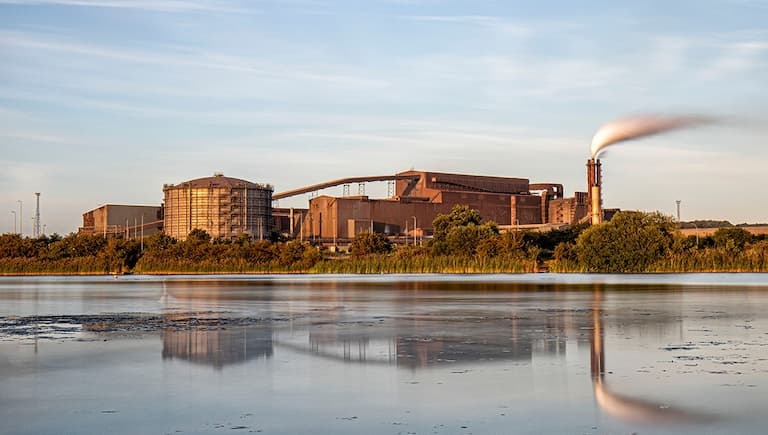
127 221
420 196
230 207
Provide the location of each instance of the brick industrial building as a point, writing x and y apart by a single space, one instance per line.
123 220
229 207
420 196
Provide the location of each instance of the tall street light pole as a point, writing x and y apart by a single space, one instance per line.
14 220
697 235
21 219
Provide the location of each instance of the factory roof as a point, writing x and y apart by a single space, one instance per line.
219 180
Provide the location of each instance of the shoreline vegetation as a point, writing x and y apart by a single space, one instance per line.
463 243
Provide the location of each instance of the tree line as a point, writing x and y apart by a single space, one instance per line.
463 242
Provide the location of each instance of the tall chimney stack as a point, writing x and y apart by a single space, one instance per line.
594 184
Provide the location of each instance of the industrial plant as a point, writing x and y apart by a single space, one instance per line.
417 197
228 208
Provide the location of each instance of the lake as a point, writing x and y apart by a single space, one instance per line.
400 354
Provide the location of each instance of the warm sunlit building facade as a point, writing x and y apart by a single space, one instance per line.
222 206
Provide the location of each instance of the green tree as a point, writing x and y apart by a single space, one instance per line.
732 238
13 246
120 255
259 252
460 231
198 236
291 252
566 252
369 243
549 240
158 242
630 242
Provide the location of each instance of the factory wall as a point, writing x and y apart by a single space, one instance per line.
288 220
525 209
117 219
431 184
492 206
331 217
568 210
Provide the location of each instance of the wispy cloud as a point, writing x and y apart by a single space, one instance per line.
147 5
182 57
487 21
737 57
37 137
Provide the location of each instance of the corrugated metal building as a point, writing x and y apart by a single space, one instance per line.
222 206
123 220
506 201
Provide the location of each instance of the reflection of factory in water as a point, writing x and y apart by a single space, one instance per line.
218 347
521 334
419 344
217 339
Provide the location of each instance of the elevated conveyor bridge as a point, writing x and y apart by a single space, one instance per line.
342 181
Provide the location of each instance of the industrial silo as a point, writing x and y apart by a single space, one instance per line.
222 206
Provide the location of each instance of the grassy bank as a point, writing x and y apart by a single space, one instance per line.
443 264
336 265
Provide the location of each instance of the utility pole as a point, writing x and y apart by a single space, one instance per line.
142 234
678 210
414 230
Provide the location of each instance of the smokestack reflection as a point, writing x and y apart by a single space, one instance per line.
622 407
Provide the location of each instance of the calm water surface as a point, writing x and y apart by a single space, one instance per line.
385 354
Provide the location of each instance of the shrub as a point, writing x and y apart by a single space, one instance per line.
630 242
369 243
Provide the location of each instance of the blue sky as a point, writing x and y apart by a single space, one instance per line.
106 100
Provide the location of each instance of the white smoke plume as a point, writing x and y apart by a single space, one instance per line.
636 127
